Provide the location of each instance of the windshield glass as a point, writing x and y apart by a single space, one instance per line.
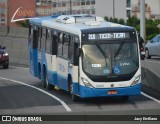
110 59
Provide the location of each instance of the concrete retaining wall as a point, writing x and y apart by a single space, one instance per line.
16 42
17 49
151 74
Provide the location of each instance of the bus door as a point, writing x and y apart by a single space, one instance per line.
32 45
51 49
62 60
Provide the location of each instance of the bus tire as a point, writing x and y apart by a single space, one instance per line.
124 98
44 75
75 98
48 85
40 72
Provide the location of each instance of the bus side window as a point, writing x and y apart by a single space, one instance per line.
54 45
60 45
39 37
43 39
76 59
35 39
48 41
71 48
30 33
30 37
66 39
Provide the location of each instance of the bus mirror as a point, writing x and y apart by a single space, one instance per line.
78 52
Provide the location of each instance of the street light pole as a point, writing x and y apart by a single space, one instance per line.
70 3
113 9
142 20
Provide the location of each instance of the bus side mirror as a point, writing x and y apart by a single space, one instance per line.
78 52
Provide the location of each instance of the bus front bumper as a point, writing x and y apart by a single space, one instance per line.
86 92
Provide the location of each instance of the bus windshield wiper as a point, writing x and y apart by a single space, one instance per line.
103 53
118 50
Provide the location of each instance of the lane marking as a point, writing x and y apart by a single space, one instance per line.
26 68
54 97
155 61
150 97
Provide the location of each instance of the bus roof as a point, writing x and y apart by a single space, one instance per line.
77 23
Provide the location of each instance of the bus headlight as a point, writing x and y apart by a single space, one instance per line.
136 80
86 82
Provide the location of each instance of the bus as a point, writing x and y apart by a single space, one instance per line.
85 55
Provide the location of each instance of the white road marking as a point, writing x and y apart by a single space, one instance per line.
54 97
150 97
26 68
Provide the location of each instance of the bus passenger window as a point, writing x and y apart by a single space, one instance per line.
35 39
71 48
54 45
65 46
60 44
39 37
30 38
48 41
43 39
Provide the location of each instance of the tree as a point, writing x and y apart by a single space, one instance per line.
23 23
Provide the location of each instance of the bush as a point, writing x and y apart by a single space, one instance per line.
151 25
121 21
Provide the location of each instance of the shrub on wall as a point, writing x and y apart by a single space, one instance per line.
152 28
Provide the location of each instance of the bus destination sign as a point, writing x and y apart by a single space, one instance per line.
109 36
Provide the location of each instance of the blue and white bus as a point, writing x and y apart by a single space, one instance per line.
85 55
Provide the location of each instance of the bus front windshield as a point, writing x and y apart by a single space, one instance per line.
110 59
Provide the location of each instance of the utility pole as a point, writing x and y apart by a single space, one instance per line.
113 9
70 3
142 20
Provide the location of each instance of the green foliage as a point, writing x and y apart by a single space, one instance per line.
121 21
106 18
115 20
133 21
151 25
23 23
111 19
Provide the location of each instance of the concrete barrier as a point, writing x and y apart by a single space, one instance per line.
151 74
12 31
3 30
22 32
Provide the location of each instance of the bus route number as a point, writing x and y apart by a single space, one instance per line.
91 36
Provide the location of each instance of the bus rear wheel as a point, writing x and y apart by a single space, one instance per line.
48 85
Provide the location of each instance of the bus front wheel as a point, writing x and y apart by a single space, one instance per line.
75 98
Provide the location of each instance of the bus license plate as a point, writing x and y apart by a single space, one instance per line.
111 92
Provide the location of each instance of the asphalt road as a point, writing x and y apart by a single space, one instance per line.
32 98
